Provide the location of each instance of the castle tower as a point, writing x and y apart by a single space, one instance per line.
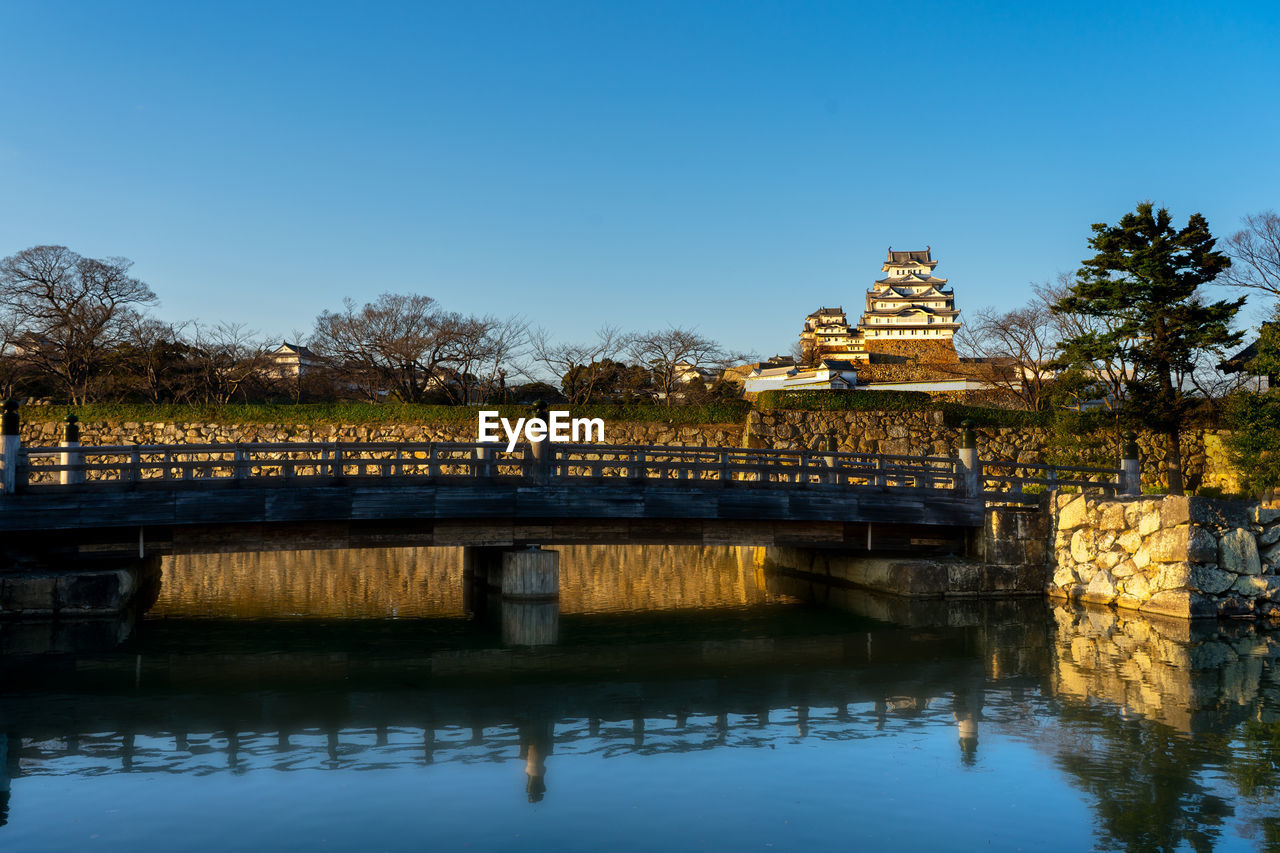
910 312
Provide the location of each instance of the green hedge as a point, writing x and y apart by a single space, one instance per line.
844 401
375 413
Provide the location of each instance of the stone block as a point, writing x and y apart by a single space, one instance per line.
1136 586
95 592
1265 587
1128 602
1209 579
1235 607
1264 515
1238 552
1130 541
1202 546
1064 577
1269 536
1101 589
1112 517
1141 558
1149 522
1168 545
1174 510
1107 560
22 594
1181 604
1170 576
1123 570
1074 514
1082 548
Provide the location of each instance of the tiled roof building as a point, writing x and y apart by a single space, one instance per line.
909 312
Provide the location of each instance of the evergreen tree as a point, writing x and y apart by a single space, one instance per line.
1254 418
1145 280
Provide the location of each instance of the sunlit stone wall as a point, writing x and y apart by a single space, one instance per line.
160 432
926 433
1176 556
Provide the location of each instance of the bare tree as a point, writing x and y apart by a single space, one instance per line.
154 356
483 352
70 310
1255 254
561 359
400 343
677 355
1017 349
229 360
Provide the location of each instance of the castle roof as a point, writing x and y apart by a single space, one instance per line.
920 256
821 311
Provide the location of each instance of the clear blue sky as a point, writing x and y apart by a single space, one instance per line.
726 165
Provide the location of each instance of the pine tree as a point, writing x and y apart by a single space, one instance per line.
1145 279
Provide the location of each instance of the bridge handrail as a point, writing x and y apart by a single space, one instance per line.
310 460
287 460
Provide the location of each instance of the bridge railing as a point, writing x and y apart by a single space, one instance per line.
1024 482
284 462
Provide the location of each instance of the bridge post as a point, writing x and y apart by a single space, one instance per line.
969 471
483 467
10 448
1131 464
833 476
71 459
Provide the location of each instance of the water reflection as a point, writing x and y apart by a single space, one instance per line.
1170 731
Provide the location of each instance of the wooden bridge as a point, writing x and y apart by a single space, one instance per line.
483 487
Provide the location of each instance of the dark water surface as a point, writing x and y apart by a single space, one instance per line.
355 700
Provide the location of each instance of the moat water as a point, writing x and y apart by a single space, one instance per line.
372 700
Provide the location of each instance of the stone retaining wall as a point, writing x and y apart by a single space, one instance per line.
926 433
46 433
1175 556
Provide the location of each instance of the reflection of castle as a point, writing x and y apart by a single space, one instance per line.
909 312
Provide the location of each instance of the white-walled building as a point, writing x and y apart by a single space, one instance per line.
910 303
829 375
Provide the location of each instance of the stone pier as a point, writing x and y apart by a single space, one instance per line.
1006 558
521 590
1186 557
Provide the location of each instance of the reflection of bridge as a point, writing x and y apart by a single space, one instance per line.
249 711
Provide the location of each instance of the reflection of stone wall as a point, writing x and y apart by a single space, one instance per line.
1175 556
338 583
595 578
427 582
1186 675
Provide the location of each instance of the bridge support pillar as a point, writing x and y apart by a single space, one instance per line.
531 574
518 590
530 593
